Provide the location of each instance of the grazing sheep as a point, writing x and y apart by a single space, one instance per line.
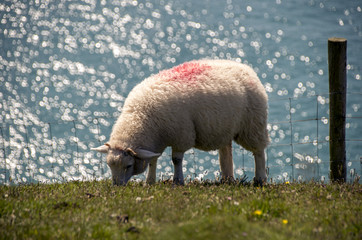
204 104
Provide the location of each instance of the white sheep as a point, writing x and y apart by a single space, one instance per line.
204 104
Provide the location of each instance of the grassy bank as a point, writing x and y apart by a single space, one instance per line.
91 210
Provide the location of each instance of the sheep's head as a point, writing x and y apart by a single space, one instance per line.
125 163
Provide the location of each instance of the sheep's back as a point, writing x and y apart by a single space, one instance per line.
201 104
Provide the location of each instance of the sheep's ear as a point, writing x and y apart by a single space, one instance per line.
145 154
102 149
131 152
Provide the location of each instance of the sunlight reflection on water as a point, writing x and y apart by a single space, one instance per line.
67 67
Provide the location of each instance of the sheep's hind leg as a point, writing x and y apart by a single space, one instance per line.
226 163
178 177
260 171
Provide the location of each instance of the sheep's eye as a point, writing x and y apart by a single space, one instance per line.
129 166
125 154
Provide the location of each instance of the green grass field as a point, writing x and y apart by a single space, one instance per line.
98 210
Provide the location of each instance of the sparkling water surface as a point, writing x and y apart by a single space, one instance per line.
67 67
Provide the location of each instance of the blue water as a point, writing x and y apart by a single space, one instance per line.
67 67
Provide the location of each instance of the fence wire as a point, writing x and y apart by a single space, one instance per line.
34 151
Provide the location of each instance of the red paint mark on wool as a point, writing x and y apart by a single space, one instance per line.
252 82
186 72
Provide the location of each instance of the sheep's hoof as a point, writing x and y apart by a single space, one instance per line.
178 182
228 180
151 182
259 182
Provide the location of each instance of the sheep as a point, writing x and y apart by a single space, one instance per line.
203 104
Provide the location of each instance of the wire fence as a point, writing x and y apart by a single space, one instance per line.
36 151
308 142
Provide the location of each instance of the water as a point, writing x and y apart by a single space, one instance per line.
67 67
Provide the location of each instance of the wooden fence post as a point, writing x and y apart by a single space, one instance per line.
337 59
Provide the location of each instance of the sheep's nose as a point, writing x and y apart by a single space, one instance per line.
117 182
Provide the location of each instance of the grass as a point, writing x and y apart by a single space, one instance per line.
98 210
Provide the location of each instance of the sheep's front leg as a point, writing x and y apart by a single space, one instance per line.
178 177
260 170
151 174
